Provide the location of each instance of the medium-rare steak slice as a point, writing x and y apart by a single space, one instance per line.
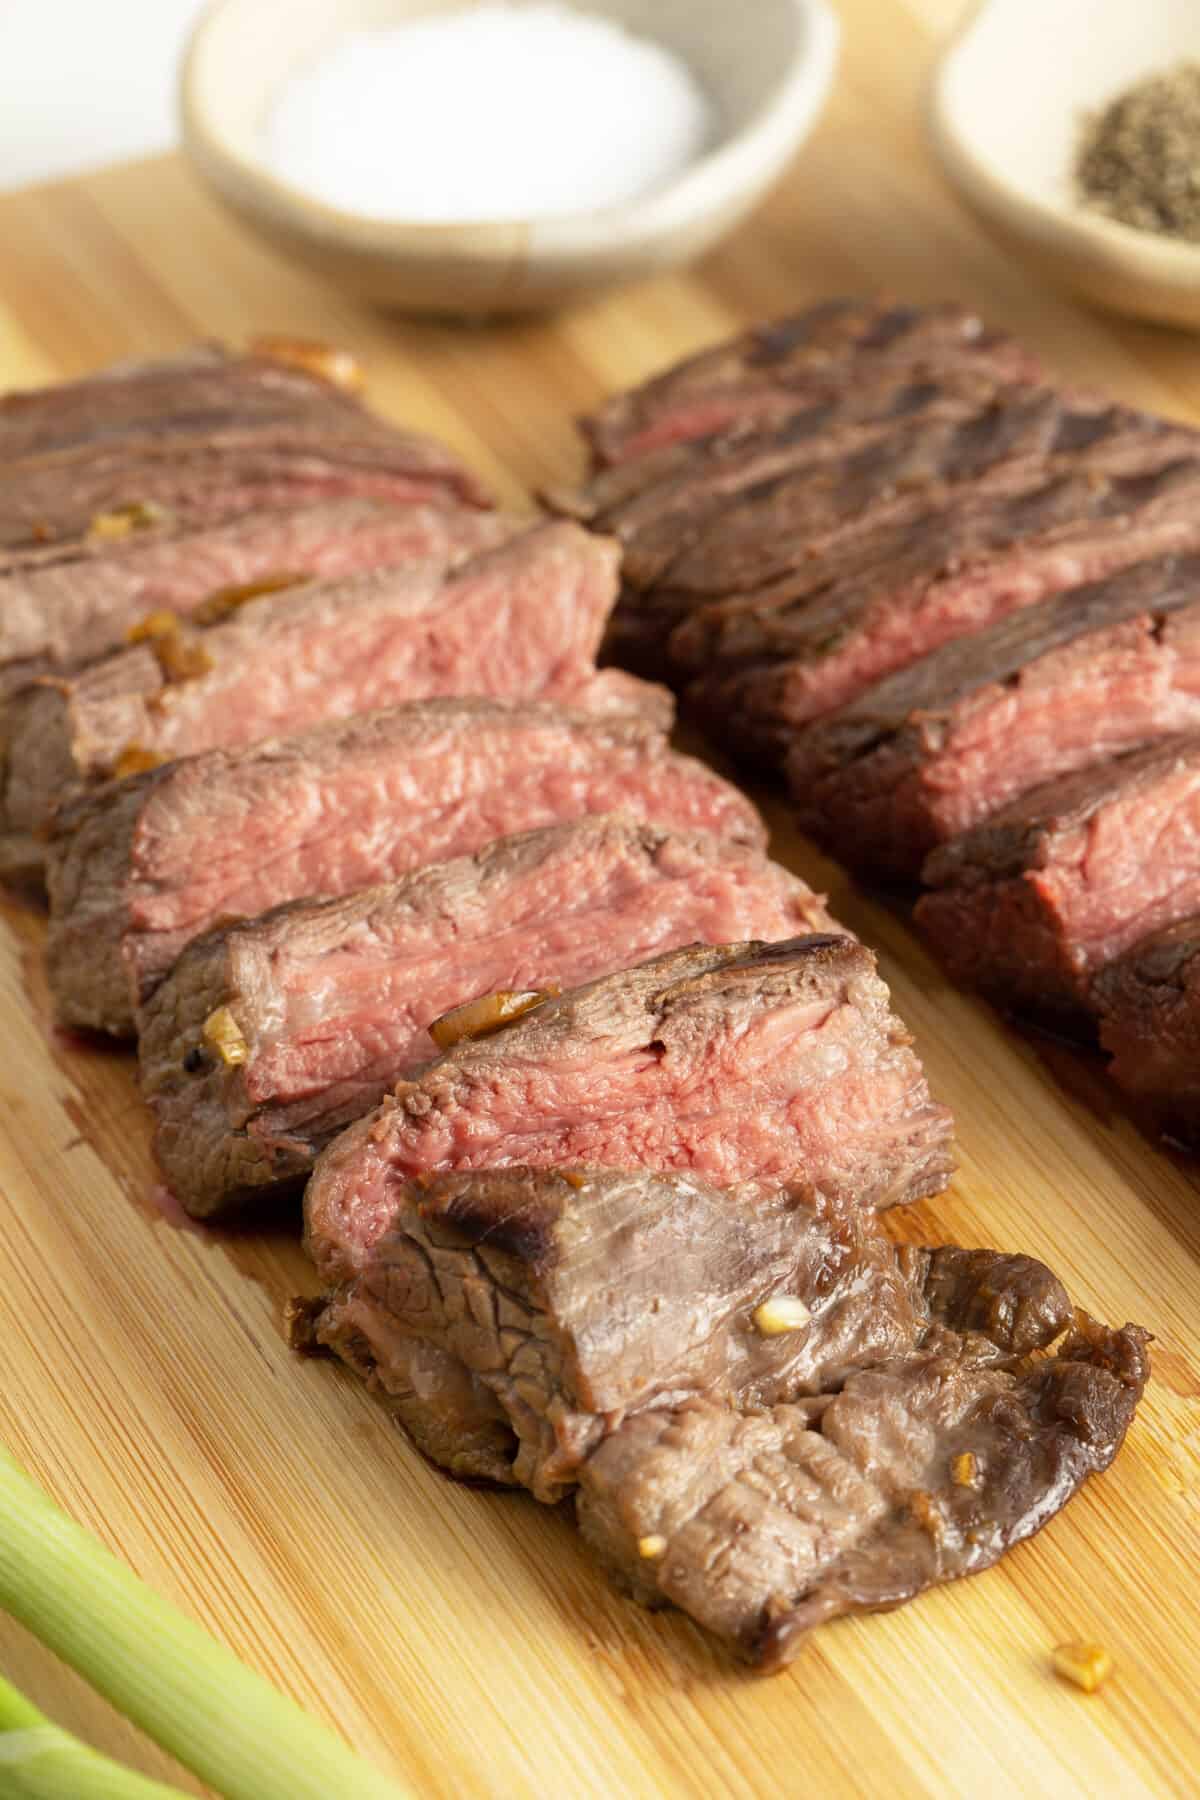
140 867
1149 1006
1020 439
762 1523
523 621
1031 905
766 666
761 371
72 610
275 377
737 1062
770 1414
542 1307
217 477
939 746
549 908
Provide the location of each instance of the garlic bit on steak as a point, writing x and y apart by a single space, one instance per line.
477 1017
782 1312
223 1034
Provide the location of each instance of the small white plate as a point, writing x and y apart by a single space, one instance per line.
1005 111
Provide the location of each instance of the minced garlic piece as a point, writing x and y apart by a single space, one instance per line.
153 625
123 521
339 367
964 1469
782 1312
653 1546
488 1013
223 1032
1087 1665
134 760
226 600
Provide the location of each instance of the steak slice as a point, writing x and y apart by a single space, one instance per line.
551 908
1020 439
199 382
736 1062
939 746
140 867
1030 905
762 1523
523 621
761 371
765 667
1149 1006
72 610
512 1318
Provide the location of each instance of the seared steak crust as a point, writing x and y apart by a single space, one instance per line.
735 1062
1149 1006
558 906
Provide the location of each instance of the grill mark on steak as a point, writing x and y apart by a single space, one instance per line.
333 998
732 1062
138 868
937 747
773 362
1148 1003
1030 905
594 1330
782 659
522 621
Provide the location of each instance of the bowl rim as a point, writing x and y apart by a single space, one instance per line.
749 156
1057 227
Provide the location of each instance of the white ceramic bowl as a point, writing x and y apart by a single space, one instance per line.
767 64
1005 112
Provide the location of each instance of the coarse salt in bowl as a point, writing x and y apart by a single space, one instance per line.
527 187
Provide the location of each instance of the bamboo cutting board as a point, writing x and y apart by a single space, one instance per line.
460 1638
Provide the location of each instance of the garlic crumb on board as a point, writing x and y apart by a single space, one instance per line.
1088 1665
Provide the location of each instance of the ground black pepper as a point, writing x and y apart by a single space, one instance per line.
1139 159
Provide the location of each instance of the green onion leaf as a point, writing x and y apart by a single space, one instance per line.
217 1717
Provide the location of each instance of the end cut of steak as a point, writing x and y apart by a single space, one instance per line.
762 1524
523 621
941 745
769 664
140 867
60 614
760 372
737 1062
1031 905
332 1000
769 1414
1149 1006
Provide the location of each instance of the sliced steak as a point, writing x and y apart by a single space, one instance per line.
333 999
1022 438
739 1062
764 1522
523 621
1149 1006
67 612
1032 904
203 381
765 667
512 1318
140 867
761 371
939 746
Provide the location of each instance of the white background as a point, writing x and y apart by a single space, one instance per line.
86 82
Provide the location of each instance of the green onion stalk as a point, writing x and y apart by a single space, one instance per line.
39 1761
213 1714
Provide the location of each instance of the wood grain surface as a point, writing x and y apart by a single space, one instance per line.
462 1638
